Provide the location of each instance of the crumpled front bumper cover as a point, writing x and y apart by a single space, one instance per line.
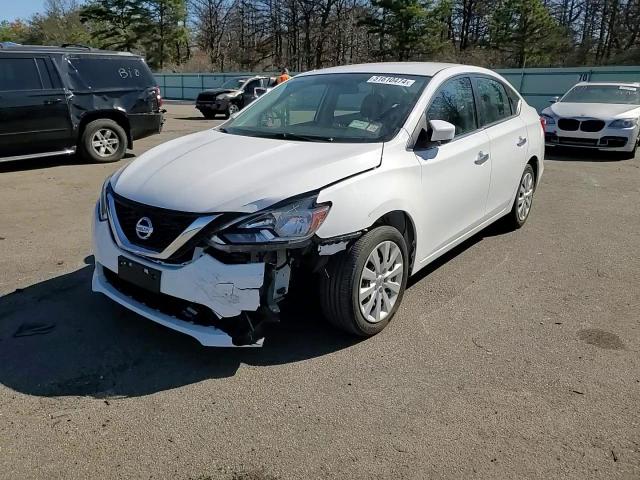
228 290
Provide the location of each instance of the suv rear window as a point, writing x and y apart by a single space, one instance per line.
110 72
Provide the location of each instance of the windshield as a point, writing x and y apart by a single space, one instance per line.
234 83
603 94
345 107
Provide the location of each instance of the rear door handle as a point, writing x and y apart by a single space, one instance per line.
482 157
521 141
53 101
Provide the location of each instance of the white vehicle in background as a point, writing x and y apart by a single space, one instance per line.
602 116
362 174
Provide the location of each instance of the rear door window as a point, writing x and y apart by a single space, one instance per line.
19 74
110 72
493 99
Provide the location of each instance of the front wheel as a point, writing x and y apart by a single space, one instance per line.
362 288
231 110
524 199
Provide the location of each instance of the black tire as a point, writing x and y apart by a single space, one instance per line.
340 283
514 219
93 154
209 115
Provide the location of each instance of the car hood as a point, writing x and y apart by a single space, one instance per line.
218 91
211 171
603 111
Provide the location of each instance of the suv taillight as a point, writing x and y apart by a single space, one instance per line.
158 96
543 123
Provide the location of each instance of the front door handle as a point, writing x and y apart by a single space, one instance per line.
53 101
482 157
521 141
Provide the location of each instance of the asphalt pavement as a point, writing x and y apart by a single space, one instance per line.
514 356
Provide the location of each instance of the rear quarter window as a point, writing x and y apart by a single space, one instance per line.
110 73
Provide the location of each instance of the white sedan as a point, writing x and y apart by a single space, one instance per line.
602 116
362 175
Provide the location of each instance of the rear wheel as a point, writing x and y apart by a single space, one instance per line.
103 140
362 288
524 199
209 115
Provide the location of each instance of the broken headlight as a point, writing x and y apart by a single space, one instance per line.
293 222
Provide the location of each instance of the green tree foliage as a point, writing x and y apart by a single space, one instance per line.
405 28
17 31
525 32
155 27
115 24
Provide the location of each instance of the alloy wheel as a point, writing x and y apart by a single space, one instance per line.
380 281
525 196
105 142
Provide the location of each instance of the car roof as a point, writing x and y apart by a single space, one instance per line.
407 68
75 49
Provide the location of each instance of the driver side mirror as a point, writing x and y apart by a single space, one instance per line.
554 99
259 91
441 131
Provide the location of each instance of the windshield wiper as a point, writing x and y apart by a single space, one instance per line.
295 136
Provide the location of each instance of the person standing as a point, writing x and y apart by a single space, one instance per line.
284 76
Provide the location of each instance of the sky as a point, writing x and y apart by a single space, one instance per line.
12 9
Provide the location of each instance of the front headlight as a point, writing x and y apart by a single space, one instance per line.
102 201
293 222
549 120
624 123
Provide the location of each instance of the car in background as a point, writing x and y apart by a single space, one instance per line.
361 175
601 116
234 94
63 100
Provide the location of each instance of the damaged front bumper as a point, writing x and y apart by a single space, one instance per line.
188 293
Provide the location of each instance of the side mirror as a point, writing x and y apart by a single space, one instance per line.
554 99
259 91
442 131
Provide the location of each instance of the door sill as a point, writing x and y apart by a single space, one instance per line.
66 151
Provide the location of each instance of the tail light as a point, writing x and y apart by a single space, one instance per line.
158 96
543 123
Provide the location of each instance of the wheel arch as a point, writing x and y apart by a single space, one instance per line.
535 164
401 221
117 116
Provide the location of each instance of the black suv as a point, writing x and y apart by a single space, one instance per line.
59 100
234 94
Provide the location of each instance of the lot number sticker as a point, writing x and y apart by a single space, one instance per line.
401 82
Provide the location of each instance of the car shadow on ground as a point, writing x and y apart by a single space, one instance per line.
57 338
567 154
47 162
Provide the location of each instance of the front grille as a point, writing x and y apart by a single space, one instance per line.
167 224
568 124
592 125
207 97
